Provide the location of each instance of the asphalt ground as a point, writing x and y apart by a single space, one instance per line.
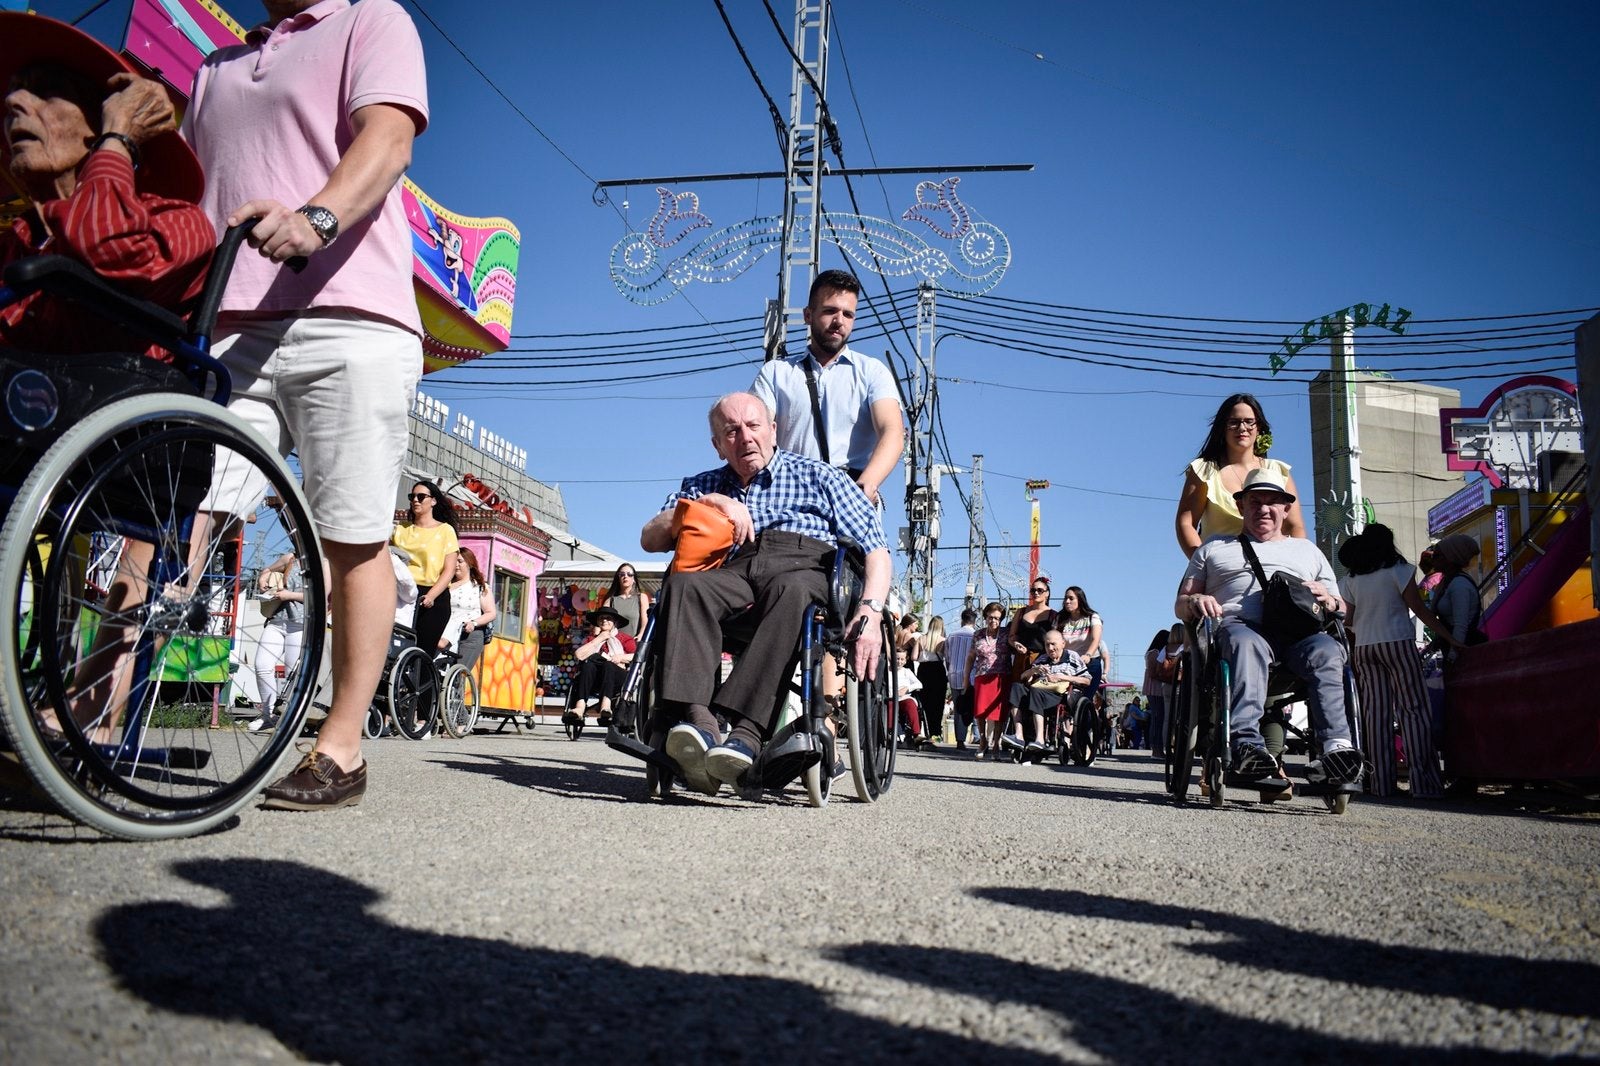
509 899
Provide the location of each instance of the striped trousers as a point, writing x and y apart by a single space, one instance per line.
1389 683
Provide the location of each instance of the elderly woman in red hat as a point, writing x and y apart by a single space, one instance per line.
93 149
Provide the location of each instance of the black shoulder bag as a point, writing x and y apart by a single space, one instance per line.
1289 611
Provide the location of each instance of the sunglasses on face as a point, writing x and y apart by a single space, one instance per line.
1041 592
1241 423
416 496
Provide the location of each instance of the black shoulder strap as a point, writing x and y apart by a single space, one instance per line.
816 408
1255 564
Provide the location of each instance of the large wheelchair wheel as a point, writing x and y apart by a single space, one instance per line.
1085 731
413 693
458 701
872 725
1184 718
105 630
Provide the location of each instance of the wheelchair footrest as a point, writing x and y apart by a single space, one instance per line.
1320 788
617 740
168 758
785 760
1263 783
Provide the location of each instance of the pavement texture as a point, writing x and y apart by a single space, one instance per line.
509 898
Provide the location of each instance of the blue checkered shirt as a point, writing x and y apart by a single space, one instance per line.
796 495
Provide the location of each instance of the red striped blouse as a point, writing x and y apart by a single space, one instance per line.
151 248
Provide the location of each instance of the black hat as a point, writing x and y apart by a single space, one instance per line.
599 614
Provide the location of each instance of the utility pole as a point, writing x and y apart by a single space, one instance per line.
802 169
922 492
1342 427
975 541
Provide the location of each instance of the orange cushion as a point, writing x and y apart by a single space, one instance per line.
704 536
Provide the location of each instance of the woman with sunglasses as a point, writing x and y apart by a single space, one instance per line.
1026 636
989 666
629 600
430 539
1237 444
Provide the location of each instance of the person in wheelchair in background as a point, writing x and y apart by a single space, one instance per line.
602 665
1220 584
1041 689
95 151
789 514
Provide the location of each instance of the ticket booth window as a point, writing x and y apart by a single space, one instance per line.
511 599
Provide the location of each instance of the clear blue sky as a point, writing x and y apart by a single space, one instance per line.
1236 161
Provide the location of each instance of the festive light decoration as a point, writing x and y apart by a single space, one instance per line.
974 261
671 224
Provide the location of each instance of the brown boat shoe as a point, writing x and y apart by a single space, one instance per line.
317 784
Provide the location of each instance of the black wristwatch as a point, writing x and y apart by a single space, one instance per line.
325 222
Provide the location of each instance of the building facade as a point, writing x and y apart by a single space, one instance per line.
1403 470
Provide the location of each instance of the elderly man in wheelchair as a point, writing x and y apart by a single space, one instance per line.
1221 584
789 514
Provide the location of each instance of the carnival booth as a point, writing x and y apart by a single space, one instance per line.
511 553
1521 707
567 591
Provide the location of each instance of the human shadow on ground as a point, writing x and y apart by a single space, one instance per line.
1122 1022
1047 784
572 778
557 777
1503 982
296 951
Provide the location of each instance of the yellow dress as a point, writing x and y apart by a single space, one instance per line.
1222 516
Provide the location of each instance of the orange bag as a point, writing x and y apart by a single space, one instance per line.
704 536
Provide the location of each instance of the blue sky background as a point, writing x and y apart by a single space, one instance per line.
1241 161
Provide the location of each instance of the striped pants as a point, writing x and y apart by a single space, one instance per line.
1389 682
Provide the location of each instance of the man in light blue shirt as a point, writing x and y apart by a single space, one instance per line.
860 406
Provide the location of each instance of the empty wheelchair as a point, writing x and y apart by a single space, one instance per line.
802 746
1199 725
120 567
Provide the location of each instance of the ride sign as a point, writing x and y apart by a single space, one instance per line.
1331 325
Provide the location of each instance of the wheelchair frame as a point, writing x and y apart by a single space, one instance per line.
802 748
141 785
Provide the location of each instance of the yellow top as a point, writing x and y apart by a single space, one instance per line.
429 549
1222 516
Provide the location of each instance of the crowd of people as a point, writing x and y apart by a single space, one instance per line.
319 106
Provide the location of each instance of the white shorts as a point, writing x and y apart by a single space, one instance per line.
336 388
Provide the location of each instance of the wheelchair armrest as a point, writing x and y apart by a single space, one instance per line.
848 580
61 276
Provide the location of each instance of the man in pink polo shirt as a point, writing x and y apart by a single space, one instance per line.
309 125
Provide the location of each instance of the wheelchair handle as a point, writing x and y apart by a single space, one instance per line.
205 314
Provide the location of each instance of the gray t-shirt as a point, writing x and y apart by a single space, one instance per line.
1222 571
